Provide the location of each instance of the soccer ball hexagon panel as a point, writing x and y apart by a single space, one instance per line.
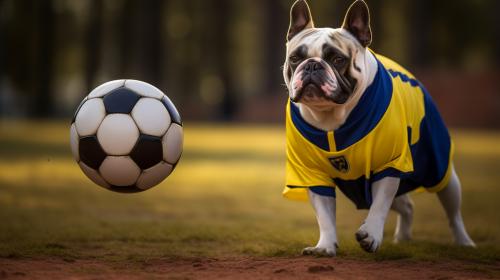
126 136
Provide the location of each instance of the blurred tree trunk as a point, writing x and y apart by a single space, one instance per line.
21 52
3 61
125 38
496 30
221 38
420 27
93 43
43 99
274 29
140 40
184 65
148 40
376 23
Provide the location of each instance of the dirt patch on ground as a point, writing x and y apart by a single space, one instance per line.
245 268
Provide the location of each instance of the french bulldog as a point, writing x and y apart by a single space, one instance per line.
347 109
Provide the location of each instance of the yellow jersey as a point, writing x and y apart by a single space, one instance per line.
394 130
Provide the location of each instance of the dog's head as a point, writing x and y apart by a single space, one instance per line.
323 66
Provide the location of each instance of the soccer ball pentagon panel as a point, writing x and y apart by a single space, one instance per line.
127 136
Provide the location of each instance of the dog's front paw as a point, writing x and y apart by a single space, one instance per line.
369 237
320 251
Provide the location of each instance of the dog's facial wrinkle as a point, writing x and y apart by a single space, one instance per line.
336 40
354 65
330 53
346 81
301 53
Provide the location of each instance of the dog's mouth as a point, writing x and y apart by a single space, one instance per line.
316 82
311 90
312 93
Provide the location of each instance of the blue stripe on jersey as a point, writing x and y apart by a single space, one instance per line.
405 78
430 154
316 136
389 172
368 112
321 190
324 191
361 121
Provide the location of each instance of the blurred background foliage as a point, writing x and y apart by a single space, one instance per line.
221 59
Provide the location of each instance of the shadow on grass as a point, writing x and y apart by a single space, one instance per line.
424 251
22 150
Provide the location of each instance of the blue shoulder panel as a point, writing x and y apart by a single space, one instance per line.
361 121
316 136
368 112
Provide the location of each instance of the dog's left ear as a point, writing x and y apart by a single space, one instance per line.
300 18
357 22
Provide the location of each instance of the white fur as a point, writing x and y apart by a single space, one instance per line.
451 200
325 209
403 206
370 233
328 115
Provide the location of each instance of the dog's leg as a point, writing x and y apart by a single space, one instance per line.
451 199
371 232
324 207
403 205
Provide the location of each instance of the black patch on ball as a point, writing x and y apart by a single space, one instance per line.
147 151
91 152
78 109
120 101
174 114
125 189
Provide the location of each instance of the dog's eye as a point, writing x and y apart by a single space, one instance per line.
294 58
339 61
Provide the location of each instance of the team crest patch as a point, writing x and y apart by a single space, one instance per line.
340 163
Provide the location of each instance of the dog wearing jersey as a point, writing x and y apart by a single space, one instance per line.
360 123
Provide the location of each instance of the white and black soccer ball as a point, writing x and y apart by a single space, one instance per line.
127 136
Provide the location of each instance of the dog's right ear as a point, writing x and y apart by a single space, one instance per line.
300 18
357 22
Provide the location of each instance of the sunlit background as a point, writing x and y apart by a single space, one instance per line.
220 62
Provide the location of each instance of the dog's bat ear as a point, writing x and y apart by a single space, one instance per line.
357 22
300 18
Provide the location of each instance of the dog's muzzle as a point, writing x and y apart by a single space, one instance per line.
315 79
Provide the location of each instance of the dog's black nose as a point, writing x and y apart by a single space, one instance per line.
313 66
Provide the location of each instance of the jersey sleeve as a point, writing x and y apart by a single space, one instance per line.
299 177
302 168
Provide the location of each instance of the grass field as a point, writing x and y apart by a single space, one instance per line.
223 200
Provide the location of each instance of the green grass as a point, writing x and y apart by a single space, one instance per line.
223 200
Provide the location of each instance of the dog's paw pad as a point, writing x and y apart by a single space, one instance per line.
308 251
319 252
361 234
367 241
